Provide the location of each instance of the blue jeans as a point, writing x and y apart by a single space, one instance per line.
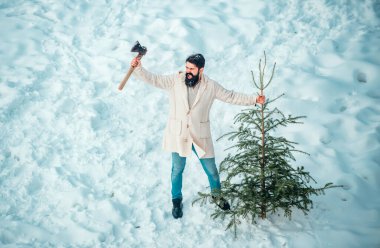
178 166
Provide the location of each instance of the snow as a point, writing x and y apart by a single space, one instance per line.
81 163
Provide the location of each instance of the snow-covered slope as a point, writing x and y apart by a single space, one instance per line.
81 163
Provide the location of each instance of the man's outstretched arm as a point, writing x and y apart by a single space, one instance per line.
160 81
230 96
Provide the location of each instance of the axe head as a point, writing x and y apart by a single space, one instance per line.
138 48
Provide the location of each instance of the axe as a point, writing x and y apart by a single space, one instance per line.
142 51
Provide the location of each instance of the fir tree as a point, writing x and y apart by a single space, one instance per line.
260 178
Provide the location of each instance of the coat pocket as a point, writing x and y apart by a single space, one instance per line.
205 131
175 127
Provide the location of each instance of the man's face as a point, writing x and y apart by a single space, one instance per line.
191 70
193 74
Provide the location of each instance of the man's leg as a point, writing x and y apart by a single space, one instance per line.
209 166
212 173
178 166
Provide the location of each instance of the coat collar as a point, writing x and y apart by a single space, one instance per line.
202 88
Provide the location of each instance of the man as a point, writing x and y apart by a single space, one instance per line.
191 95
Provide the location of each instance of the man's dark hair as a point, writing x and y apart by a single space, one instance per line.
196 59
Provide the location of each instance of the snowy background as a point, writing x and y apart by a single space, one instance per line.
81 163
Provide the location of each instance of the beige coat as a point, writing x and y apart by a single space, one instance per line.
189 125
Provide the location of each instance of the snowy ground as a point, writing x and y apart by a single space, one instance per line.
81 163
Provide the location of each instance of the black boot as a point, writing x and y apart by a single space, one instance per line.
221 203
177 208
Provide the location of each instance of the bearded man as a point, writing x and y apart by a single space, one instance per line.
191 95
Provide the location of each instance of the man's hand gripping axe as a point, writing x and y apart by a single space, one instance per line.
142 51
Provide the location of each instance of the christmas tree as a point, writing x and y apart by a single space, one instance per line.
260 178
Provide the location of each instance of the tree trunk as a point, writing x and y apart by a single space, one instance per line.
263 204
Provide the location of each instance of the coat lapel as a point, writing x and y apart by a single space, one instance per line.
202 88
184 92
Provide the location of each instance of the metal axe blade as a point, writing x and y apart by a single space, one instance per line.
138 48
141 50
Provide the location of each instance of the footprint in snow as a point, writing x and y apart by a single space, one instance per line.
338 106
360 76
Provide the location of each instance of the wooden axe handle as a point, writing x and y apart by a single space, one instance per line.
129 73
125 79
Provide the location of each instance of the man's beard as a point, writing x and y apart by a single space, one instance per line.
191 82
